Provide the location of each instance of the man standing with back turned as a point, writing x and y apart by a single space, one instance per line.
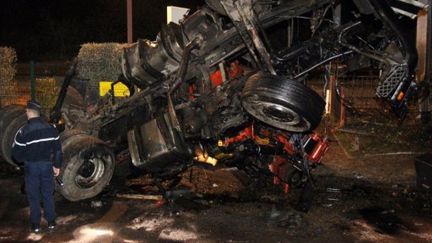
37 144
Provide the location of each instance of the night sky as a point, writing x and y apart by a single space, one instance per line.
49 30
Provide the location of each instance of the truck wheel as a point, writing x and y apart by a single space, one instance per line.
7 113
67 134
6 109
283 103
7 140
88 166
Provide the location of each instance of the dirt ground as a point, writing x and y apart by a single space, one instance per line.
363 199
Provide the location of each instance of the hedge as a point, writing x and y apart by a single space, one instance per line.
100 61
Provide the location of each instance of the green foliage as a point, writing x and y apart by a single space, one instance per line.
8 61
46 93
100 61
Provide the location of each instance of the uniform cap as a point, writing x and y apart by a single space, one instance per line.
33 105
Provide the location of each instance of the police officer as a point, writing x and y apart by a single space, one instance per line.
37 144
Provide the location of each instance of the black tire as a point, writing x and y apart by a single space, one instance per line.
10 113
88 166
8 137
282 103
6 109
67 134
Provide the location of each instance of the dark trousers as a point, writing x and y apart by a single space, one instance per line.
39 183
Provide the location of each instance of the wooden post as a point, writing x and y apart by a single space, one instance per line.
129 12
331 90
424 49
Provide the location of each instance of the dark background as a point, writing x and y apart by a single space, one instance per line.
52 30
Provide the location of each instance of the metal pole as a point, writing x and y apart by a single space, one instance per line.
429 61
32 80
129 10
424 48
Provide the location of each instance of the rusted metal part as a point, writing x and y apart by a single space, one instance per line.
244 17
235 16
315 147
279 168
424 68
179 79
422 45
248 16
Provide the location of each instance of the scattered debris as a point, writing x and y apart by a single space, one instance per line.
96 204
177 235
384 221
352 131
334 190
285 218
358 176
140 197
356 145
150 223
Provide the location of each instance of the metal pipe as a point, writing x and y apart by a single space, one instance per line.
323 62
405 13
386 14
56 111
184 63
179 80
415 3
370 54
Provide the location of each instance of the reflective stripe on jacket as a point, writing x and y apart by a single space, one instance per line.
37 141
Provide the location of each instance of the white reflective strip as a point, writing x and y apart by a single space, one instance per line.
42 140
15 141
19 144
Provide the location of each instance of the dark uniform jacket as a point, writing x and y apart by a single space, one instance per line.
37 141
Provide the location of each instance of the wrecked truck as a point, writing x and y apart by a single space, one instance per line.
228 85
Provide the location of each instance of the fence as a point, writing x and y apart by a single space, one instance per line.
361 104
19 92
359 91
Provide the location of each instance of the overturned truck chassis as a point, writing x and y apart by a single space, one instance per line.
227 86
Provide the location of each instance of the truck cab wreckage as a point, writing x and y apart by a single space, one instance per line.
227 86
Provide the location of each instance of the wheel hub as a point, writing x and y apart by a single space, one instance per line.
279 113
87 169
90 172
274 114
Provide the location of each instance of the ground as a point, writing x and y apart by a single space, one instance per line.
358 199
